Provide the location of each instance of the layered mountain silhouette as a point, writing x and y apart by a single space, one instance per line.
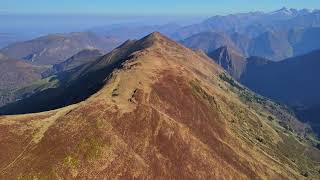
276 36
274 45
209 41
253 23
55 48
153 109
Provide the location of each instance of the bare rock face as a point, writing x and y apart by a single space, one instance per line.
166 112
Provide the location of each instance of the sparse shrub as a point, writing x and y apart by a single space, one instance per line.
305 174
230 81
260 139
270 118
115 92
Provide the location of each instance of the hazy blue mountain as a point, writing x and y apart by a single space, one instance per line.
272 45
275 45
209 41
230 23
304 40
292 81
253 23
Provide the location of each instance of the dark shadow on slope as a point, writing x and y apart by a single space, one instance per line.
66 94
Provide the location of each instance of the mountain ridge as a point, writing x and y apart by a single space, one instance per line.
131 127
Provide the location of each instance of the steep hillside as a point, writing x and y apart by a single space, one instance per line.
230 60
17 73
165 112
55 48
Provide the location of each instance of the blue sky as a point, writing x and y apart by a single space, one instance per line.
149 7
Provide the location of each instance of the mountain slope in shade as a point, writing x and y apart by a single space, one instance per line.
230 60
83 57
165 112
55 48
208 41
311 116
16 73
292 81
304 40
272 45
295 79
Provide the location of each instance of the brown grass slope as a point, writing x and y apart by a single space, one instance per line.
16 73
166 114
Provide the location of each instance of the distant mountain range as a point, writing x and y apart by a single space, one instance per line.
277 35
273 45
253 23
55 48
209 41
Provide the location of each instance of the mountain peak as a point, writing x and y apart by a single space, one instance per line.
152 39
284 11
155 34
155 37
